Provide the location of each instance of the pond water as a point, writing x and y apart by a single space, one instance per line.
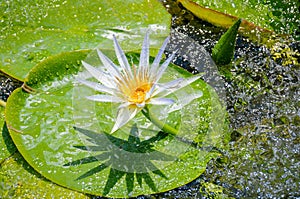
262 99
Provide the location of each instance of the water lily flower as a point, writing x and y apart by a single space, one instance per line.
133 87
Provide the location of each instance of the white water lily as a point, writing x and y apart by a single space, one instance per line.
133 87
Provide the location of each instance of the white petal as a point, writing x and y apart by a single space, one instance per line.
124 116
122 58
100 75
167 86
142 105
125 104
150 92
185 100
95 72
161 101
111 67
183 84
98 87
105 98
157 59
163 67
144 57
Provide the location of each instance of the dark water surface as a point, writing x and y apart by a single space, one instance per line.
262 96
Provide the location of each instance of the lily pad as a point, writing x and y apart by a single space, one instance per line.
220 19
251 11
32 31
29 183
64 136
7 147
277 15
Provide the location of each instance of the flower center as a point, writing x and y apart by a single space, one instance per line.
139 94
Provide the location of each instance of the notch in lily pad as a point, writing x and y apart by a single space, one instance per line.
223 51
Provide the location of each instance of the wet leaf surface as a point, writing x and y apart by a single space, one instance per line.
31 31
7 147
279 16
18 179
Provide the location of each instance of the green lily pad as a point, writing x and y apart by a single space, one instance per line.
19 180
277 15
252 11
32 31
63 136
220 19
7 147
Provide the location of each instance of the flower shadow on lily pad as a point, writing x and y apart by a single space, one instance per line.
110 157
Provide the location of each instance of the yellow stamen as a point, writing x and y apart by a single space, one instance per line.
138 95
